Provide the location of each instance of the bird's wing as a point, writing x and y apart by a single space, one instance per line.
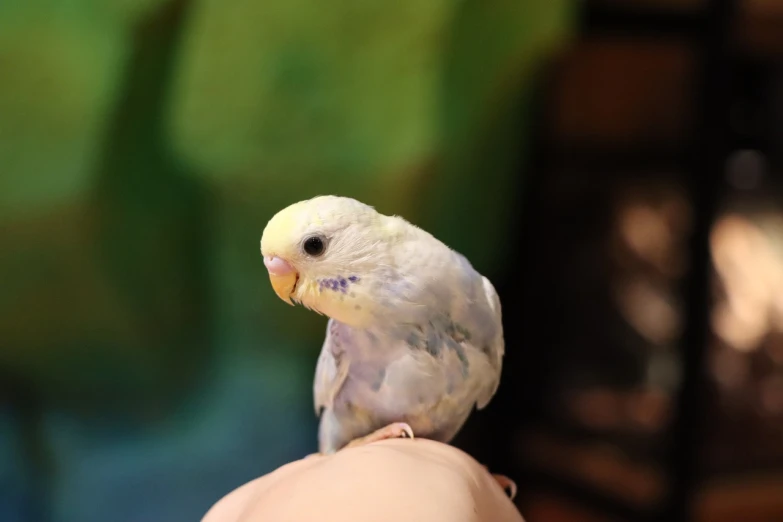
495 348
473 329
331 370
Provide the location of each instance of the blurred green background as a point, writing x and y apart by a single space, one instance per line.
146 367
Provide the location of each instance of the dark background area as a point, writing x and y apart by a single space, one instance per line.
643 285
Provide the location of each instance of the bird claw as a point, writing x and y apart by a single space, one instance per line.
397 430
508 485
407 432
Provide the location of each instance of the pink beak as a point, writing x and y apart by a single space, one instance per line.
277 266
282 276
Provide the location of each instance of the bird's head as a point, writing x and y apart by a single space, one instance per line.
322 253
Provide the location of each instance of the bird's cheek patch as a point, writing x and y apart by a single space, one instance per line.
337 284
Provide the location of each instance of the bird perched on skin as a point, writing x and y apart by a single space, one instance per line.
414 340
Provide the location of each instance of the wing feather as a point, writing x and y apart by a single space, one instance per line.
496 347
330 371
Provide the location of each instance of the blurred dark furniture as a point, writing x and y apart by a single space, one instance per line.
635 126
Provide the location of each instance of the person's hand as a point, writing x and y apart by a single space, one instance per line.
392 480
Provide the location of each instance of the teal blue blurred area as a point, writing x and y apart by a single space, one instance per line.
146 367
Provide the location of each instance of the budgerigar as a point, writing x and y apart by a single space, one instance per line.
414 339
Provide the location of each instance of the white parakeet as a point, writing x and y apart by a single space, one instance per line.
414 340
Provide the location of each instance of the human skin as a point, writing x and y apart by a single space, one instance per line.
390 480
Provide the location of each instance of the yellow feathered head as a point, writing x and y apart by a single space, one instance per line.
322 252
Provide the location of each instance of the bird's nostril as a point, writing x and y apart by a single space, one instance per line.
277 266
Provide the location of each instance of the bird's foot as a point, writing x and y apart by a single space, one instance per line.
396 430
508 485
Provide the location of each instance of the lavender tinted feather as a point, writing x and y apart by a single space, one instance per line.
429 373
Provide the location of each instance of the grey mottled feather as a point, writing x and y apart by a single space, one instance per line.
428 368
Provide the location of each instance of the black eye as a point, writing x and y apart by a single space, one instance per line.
314 246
